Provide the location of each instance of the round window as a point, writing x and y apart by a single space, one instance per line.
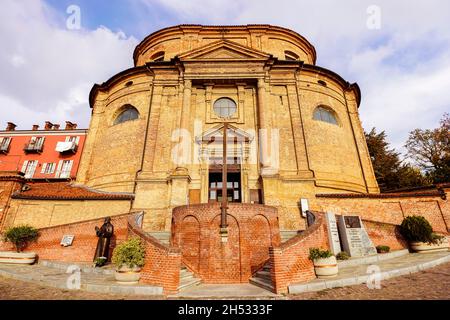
225 107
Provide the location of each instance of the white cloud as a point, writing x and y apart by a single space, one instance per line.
48 70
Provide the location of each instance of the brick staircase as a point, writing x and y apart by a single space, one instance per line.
161 236
262 278
187 279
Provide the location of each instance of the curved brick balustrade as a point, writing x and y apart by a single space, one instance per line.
289 262
252 230
162 263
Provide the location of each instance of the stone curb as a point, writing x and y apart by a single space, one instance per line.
372 259
360 279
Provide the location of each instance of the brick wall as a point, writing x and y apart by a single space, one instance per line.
386 234
84 244
391 208
162 263
252 229
289 261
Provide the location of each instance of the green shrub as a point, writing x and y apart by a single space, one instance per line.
342 256
130 253
100 261
316 253
383 249
417 229
21 236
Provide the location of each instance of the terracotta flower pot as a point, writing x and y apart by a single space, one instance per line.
423 247
127 275
326 267
17 257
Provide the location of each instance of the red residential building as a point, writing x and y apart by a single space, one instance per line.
51 153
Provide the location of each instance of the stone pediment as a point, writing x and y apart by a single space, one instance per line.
215 134
223 50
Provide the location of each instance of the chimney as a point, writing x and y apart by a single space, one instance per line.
35 127
56 127
70 125
48 125
11 126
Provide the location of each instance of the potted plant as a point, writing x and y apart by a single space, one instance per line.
419 233
383 249
129 257
325 264
20 237
342 256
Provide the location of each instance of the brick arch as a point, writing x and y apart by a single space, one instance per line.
226 258
189 234
260 240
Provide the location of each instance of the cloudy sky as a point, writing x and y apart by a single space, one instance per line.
403 67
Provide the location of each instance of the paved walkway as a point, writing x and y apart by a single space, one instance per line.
373 272
224 291
88 281
46 282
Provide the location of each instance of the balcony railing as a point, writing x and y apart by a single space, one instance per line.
33 147
63 147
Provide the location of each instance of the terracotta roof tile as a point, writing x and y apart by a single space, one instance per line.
67 191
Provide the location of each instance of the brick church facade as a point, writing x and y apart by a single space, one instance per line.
155 145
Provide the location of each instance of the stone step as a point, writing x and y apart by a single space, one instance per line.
286 235
263 275
372 259
186 275
84 267
262 283
188 283
161 236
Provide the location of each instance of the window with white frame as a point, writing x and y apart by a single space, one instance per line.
4 144
29 167
66 168
48 168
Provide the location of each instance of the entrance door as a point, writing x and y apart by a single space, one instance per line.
233 187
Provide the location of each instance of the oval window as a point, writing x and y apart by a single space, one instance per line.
225 107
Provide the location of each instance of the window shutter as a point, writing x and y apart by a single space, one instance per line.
24 166
77 140
33 168
41 142
58 170
53 165
8 142
1 140
69 168
44 166
67 139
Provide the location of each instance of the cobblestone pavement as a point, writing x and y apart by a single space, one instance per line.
430 284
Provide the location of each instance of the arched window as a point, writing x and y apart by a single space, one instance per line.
128 113
289 55
158 56
225 107
325 114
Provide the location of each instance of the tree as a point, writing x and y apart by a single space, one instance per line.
385 161
390 172
430 150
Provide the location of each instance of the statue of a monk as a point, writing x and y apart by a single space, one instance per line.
104 234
